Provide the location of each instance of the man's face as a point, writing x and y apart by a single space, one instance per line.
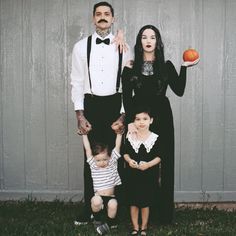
103 18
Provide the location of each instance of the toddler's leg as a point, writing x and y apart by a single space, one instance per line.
111 213
112 208
97 206
96 203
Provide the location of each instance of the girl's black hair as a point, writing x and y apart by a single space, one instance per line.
141 109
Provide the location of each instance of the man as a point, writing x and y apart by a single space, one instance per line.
96 92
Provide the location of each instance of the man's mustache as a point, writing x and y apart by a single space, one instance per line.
102 20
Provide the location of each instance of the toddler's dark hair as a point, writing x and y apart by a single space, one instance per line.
98 148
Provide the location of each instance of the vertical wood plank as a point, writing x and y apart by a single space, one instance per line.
1 102
230 98
191 104
12 95
56 96
34 94
79 26
213 95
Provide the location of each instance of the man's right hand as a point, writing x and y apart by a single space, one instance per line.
83 125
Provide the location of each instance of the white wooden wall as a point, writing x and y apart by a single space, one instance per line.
40 154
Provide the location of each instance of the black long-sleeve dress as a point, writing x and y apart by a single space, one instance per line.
151 91
142 186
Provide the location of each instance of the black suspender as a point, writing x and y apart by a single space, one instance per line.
119 70
89 43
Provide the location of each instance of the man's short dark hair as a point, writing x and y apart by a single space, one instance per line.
99 4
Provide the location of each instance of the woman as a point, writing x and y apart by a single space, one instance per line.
145 81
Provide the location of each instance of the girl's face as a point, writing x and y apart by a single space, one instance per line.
148 41
143 121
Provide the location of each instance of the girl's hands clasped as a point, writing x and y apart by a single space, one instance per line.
143 165
133 164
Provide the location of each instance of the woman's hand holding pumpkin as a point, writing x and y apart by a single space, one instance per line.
190 63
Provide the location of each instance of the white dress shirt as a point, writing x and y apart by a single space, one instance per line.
103 69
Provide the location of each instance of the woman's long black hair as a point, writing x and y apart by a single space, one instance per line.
159 61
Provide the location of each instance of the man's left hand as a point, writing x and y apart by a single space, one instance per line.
120 41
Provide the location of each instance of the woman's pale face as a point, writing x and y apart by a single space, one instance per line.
148 41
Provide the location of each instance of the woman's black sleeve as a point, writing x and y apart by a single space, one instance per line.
177 82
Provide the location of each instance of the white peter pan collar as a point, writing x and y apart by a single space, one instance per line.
148 143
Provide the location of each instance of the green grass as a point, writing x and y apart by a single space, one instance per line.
33 218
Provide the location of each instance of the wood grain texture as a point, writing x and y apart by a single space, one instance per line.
34 95
213 110
12 95
190 112
42 155
56 95
229 77
1 106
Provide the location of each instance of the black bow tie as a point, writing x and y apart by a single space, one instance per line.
106 41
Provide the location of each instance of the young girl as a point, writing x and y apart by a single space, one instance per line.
142 155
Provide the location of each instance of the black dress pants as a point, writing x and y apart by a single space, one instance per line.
101 112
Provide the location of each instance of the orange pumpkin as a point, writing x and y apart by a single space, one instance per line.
190 55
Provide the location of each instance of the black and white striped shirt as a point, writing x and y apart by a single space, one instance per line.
107 177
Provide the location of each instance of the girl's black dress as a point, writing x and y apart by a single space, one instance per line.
142 186
151 91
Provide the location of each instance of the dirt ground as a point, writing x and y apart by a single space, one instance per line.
228 206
